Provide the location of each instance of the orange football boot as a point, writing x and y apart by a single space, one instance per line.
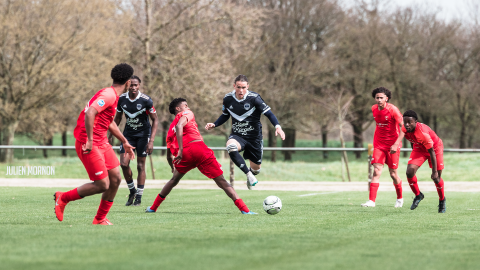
104 221
59 205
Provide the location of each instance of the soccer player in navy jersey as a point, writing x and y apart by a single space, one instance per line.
245 108
137 108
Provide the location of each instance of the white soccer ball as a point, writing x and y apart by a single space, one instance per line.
272 205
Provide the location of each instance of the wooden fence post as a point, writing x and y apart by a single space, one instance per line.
370 170
232 172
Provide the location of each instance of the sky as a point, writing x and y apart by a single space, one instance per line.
449 9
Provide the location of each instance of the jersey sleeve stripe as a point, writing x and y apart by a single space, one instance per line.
266 110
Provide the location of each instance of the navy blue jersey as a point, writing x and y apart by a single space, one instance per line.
136 111
245 114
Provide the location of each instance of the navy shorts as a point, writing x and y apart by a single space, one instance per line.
253 149
140 144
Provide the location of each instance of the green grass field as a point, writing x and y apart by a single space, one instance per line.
459 167
202 229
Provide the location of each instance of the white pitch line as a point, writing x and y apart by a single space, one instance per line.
313 194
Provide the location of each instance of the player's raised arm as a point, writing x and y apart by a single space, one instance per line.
220 121
266 110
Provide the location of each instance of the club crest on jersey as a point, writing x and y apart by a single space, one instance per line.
139 106
101 103
246 106
386 117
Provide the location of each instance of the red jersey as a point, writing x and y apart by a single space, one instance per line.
190 131
423 138
387 129
105 101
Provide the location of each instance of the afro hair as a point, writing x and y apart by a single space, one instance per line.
135 77
411 113
121 73
174 104
382 90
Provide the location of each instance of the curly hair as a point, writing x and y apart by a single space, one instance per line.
121 73
174 104
410 113
382 90
135 77
240 78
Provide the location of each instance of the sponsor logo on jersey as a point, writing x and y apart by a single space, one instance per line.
246 106
242 128
101 102
139 106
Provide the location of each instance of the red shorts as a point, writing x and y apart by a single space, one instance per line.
98 161
419 157
384 157
198 155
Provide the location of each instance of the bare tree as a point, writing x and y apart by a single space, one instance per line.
42 45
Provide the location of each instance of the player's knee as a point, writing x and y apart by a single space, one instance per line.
140 167
255 172
102 186
377 170
410 172
232 147
393 175
124 165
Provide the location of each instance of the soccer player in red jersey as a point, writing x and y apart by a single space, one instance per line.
188 151
426 146
94 150
387 142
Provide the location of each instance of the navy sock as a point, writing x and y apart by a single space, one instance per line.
239 161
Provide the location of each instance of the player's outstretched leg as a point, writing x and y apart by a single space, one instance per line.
165 191
128 175
232 148
223 184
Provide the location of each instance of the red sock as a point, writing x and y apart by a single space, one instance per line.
241 205
398 189
71 195
373 191
103 209
414 185
157 202
440 190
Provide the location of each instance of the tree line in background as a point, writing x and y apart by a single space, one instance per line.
314 62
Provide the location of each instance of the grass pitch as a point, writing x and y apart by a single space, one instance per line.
202 229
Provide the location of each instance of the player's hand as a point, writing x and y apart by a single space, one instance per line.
87 148
435 176
210 126
279 130
110 139
129 151
394 148
150 147
178 158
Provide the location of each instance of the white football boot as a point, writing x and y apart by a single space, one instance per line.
399 203
251 180
369 203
